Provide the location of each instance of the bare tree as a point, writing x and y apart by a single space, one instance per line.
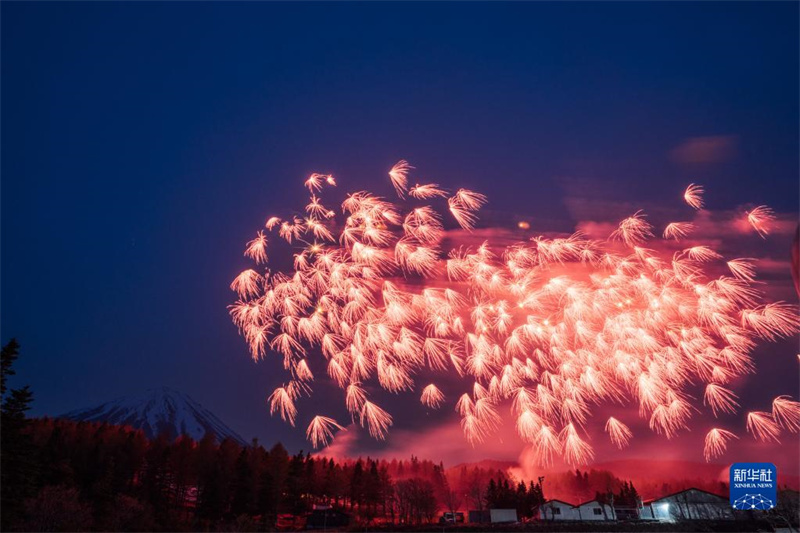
476 489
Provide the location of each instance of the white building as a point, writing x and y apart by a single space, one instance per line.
689 504
557 510
588 511
594 510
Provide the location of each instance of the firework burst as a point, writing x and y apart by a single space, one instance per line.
549 327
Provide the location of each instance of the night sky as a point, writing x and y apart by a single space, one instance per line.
143 144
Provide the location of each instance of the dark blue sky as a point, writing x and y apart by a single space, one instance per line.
143 144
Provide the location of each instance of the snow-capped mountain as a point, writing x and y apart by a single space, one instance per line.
159 411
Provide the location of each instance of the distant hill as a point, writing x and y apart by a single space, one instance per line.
159 411
487 464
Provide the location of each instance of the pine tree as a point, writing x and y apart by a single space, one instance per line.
8 355
520 496
372 487
156 478
634 496
18 466
492 495
296 484
244 486
273 484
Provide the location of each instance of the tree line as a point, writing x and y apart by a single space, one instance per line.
96 476
78 476
62 475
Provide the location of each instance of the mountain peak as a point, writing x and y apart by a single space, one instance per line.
159 411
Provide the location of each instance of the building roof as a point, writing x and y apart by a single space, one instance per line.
681 492
591 501
572 504
559 501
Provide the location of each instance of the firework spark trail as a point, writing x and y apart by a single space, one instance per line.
552 327
375 419
257 248
761 219
716 443
320 430
786 412
399 177
762 426
694 196
427 191
432 396
576 450
742 268
618 432
677 230
720 399
282 401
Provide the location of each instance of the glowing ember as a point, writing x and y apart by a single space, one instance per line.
551 326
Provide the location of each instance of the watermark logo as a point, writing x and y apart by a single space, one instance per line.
754 486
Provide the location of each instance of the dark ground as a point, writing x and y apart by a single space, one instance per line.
632 526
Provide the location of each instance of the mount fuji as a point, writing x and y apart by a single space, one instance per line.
159 411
